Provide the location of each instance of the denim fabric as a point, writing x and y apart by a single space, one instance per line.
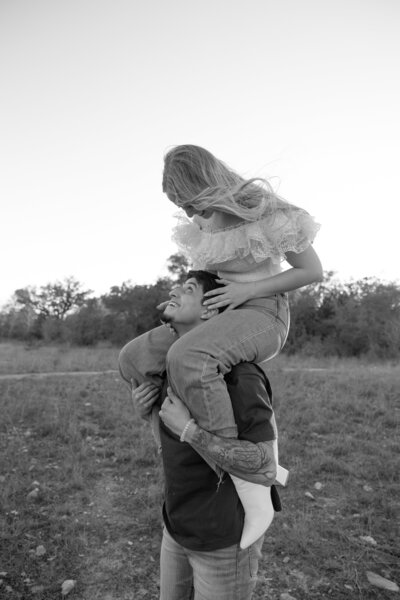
227 574
197 361
143 359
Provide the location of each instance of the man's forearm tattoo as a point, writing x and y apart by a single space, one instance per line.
234 455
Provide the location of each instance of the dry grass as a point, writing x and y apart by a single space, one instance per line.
37 358
98 484
97 510
339 428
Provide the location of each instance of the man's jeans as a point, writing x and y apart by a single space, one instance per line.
197 362
225 574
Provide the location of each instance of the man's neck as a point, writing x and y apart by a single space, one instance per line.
182 328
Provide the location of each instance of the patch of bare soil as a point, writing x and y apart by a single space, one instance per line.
113 568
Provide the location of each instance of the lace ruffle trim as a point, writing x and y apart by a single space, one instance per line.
270 237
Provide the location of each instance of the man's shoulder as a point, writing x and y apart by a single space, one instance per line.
251 397
245 369
249 380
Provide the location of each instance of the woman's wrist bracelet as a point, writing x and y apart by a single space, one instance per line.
184 432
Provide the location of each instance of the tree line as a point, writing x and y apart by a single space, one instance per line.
331 318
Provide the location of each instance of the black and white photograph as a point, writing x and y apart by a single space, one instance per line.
199 300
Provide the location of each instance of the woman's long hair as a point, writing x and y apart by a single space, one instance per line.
194 176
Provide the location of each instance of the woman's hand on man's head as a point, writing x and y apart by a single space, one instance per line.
230 295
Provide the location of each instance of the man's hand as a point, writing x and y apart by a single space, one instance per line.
144 396
174 413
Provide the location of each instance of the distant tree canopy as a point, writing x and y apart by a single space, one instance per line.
52 300
346 319
178 267
329 318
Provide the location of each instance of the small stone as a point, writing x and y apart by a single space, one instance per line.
298 574
381 582
33 495
40 551
318 485
37 589
309 496
35 484
367 488
349 587
286 559
368 540
67 586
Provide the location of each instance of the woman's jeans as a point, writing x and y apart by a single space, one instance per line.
225 574
196 362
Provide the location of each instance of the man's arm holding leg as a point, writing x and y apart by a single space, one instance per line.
144 398
254 462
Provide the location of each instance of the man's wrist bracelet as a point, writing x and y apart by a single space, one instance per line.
184 432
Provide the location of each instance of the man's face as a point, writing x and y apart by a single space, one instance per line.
186 304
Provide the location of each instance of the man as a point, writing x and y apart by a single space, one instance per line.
202 513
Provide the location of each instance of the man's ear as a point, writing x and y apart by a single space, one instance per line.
208 313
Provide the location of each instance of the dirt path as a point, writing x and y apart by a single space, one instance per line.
114 372
17 376
55 374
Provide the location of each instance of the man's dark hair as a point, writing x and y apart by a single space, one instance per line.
207 280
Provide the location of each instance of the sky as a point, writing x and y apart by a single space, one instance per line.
94 92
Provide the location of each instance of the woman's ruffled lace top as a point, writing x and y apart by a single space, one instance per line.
287 229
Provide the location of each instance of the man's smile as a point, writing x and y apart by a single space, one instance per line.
173 304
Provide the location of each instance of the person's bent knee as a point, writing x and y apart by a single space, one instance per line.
126 364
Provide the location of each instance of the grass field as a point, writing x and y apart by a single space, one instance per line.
81 482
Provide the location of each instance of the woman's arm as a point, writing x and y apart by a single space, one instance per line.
306 269
254 462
